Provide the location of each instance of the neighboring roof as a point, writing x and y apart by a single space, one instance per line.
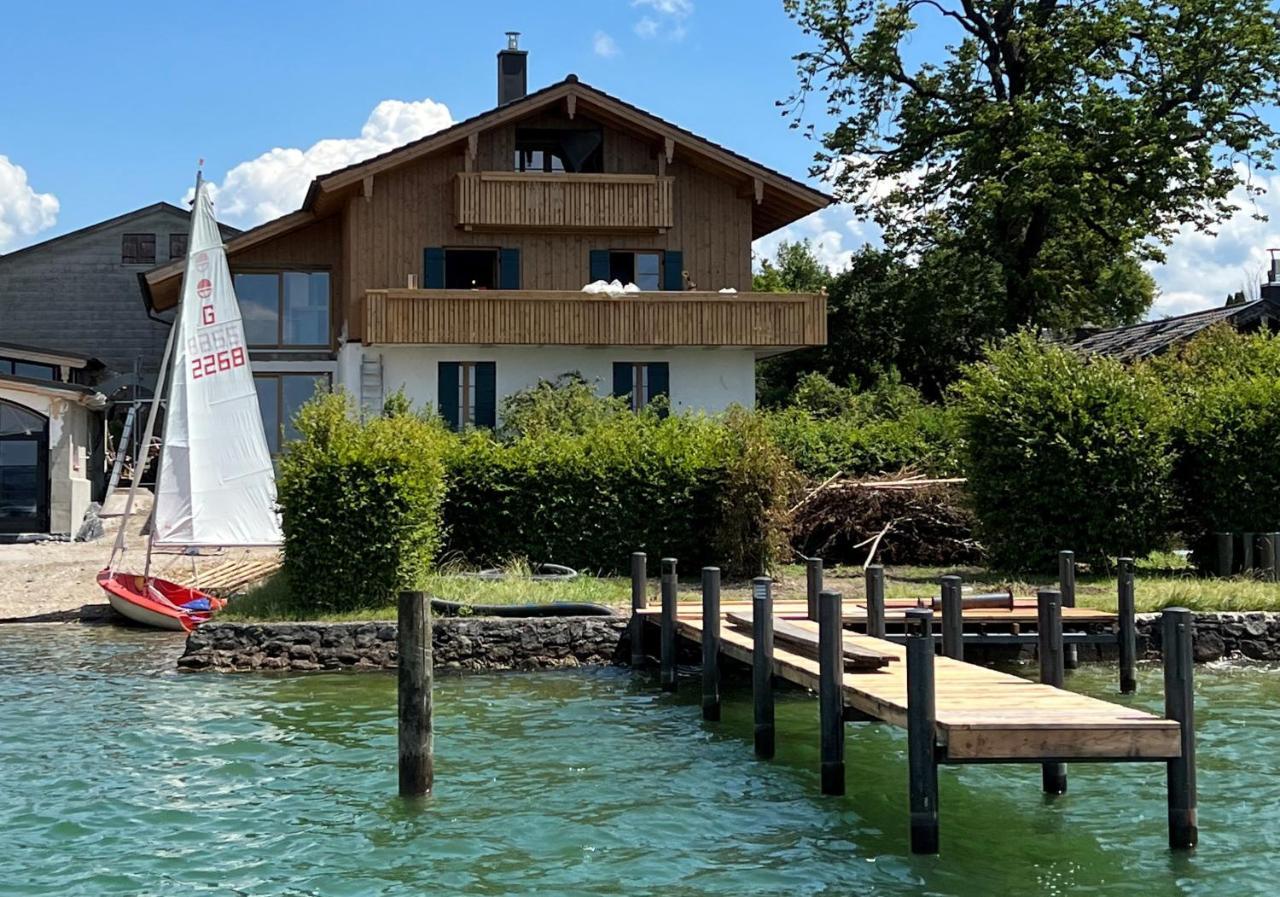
1154 337
103 225
48 356
85 395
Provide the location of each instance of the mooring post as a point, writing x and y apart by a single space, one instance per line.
1067 585
952 618
413 692
1246 553
711 644
667 649
1179 704
1127 636
1225 561
762 664
1275 557
875 601
639 601
922 761
1266 554
813 584
1049 626
831 690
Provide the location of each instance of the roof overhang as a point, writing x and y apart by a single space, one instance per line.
48 356
81 395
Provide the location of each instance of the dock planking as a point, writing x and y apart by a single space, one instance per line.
802 638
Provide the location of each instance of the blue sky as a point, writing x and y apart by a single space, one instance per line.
107 107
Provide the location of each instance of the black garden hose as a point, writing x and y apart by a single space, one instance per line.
554 609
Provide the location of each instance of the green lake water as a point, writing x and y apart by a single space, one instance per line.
119 776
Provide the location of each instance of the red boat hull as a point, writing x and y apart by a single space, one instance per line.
158 602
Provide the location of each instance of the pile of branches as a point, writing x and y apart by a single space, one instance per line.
902 519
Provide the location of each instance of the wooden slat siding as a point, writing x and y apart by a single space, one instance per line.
506 200
536 317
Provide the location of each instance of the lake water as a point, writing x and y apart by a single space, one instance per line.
119 776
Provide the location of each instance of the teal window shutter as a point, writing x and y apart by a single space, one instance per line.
673 270
622 379
486 394
659 381
509 269
447 403
433 268
599 265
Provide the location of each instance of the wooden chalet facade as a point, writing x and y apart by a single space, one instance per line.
453 267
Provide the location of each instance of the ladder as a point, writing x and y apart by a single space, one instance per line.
371 397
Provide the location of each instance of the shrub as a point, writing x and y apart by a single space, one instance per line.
361 503
1064 452
568 404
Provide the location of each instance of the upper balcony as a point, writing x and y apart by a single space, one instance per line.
564 318
516 200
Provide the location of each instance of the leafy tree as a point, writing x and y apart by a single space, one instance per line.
794 269
1059 145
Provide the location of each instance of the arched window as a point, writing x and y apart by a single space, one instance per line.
18 421
24 469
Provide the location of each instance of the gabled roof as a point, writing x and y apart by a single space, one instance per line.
1154 337
109 223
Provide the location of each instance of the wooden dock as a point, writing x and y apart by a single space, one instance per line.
954 712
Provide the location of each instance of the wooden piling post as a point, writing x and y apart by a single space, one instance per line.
1246 553
1225 560
1067 585
831 690
1179 704
875 601
1266 556
639 601
813 584
762 664
1275 557
921 715
1127 636
1049 626
952 618
711 644
414 702
667 659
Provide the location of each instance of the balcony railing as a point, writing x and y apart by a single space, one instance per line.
555 318
515 200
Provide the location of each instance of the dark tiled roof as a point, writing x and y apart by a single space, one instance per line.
1153 337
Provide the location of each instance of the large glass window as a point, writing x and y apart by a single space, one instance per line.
138 249
284 309
18 368
470 269
559 150
644 269
279 398
23 469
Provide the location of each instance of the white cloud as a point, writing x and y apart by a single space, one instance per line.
647 27
680 9
665 18
835 233
23 211
604 45
275 183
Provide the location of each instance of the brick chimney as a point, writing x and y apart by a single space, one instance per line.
1271 289
513 70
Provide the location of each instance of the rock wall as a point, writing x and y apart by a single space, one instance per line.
463 644
1254 635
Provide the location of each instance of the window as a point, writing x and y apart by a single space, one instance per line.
641 381
284 309
279 398
559 150
18 368
177 246
470 269
468 393
644 269
138 249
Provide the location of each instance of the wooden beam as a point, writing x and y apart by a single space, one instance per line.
669 148
368 187
571 105
758 188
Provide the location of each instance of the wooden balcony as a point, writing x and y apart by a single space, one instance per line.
515 200
538 318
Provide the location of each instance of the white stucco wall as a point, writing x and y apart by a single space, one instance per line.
701 379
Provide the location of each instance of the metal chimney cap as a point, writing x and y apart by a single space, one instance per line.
513 40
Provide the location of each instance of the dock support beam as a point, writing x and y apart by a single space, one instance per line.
813 584
1127 638
1179 704
711 644
831 690
952 618
639 601
875 601
1049 626
762 664
416 741
1067 585
667 660
921 715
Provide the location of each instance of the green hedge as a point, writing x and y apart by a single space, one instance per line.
361 504
1063 451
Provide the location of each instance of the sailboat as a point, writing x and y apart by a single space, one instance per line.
215 485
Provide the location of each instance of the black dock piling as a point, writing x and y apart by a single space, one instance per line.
952 618
1225 560
667 660
875 601
1246 553
921 714
1067 585
813 584
762 664
711 644
831 690
1049 628
639 601
1179 704
1126 638
413 691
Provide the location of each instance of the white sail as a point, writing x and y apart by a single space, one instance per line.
216 485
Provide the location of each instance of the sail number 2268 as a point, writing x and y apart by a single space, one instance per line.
215 349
